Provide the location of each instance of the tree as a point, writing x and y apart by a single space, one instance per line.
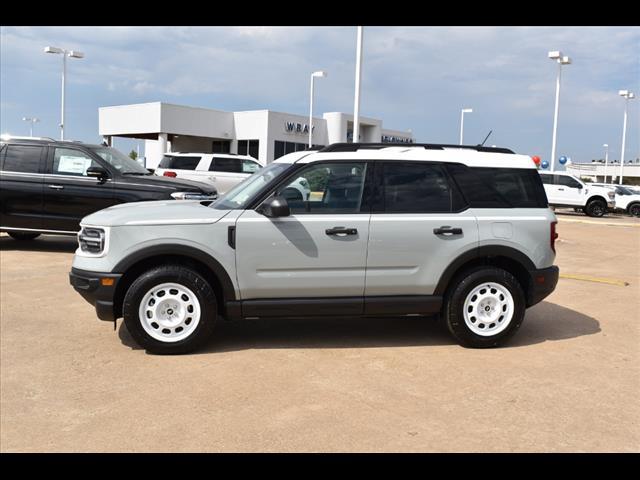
133 155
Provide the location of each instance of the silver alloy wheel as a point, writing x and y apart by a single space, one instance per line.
169 312
488 309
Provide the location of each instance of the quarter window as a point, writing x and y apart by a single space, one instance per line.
22 158
67 161
326 188
418 188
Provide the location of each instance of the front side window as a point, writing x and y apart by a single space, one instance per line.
546 179
22 158
326 188
68 161
418 188
568 181
249 166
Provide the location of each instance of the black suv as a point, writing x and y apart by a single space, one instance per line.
48 186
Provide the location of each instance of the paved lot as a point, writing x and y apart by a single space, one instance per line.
568 381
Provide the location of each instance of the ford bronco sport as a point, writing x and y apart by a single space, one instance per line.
387 230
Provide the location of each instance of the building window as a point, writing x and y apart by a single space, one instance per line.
221 146
282 148
249 147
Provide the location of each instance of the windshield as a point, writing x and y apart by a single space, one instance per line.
623 191
119 161
239 196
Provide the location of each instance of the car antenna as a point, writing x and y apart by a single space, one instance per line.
485 138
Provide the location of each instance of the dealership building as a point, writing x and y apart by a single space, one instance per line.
264 134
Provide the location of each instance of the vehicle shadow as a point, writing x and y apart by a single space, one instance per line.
544 322
44 243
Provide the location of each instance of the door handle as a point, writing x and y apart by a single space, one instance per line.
561 189
56 187
447 230
341 231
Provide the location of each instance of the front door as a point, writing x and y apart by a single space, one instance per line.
69 194
320 250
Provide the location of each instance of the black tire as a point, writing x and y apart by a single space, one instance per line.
577 209
23 236
634 210
596 208
461 288
170 274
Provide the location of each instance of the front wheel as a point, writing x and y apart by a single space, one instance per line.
634 210
596 208
22 236
485 307
170 310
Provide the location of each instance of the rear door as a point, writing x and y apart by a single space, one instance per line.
69 194
21 186
570 191
419 224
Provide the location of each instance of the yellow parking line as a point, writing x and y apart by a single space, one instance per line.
589 278
619 224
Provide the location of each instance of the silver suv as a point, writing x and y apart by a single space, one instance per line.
387 230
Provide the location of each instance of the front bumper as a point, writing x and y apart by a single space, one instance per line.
98 293
542 283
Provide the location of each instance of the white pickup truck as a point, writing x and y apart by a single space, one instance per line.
565 190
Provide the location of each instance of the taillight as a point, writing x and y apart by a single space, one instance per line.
170 174
553 237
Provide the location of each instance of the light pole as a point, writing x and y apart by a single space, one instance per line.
606 160
319 73
356 101
561 60
32 120
627 96
65 54
462 112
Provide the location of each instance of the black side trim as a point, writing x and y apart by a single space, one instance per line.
190 252
88 285
402 304
543 283
231 236
302 307
487 251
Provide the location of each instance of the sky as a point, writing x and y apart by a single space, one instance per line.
414 78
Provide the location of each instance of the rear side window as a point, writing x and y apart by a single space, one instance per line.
22 158
221 164
500 187
418 188
179 163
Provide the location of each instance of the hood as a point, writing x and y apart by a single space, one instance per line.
163 212
175 184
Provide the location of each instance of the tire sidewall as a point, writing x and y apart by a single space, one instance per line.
634 208
170 274
454 311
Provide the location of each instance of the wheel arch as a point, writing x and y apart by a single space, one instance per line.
207 266
596 197
507 258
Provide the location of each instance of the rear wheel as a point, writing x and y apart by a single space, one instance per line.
485 307
596 208
170 309
22 236
634 210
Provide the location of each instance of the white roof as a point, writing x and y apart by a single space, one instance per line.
466 156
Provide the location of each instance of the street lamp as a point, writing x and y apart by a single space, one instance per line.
561 60
322 74
65 54
32 120
627 96
606 160
464 110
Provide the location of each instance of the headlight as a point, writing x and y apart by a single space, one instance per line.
92 240
193 196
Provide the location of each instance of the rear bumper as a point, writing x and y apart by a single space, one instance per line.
543 283
90 286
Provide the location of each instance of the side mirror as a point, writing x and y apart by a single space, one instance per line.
274 207
97 172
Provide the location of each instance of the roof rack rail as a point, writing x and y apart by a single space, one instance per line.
17 137
352 147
